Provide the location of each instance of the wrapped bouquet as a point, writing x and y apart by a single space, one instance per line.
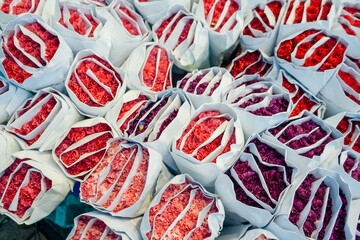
126 179
32 54
31 187
262 26
149 68
82 147
309 139
183 209
260 102
184 36
39 122
311 56
97 225
208 143
205 86
11 97
252 63
252 189
94 84
224 22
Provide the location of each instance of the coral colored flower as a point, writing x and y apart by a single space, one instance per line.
16 8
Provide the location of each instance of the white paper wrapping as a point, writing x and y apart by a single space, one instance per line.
52 72
126 228
223 34
11 97
193 51
47 201
154 10
134 67
96 38
155 174
241 212
214 219
118 76
8 146
256 123
205 86
263 41
206 171
123 42
77 145
61 117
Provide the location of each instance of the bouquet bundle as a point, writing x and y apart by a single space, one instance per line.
262 26
125 181
311 56
301 98
245 232
31 186
152 10
183 209
94 84
33 55
11 97
208 143
205 86
39 122
153 122
252 63
319 205
82 26
96 225
252 189
260 102
184 36
308 139
223 20
82 147
347 96
130 31
149 68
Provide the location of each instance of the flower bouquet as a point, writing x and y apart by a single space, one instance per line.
97 225
224 21
9 10
307 138
349 125
251 63
319 205
185 37
11 97
31 187
32 54
304 14
262 26
205 86
347 25
82 147
82 26
260 102
183 209
131 30
152 10
347 95
94 84
149 69
252 189
301 98
40 121
312 57
154 122
126 179
208 143
245 232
